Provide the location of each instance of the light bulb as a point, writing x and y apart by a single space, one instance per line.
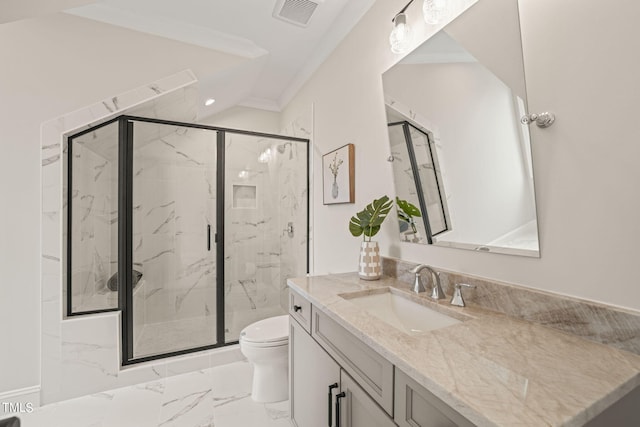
209 102
265 156
401 35
435 11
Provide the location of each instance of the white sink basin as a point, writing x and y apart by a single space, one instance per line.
401 313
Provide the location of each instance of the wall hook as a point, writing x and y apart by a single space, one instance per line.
543 120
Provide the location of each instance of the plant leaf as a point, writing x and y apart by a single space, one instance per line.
408 208
355 228
364 216
375 213
372 231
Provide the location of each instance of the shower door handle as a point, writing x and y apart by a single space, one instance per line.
209 237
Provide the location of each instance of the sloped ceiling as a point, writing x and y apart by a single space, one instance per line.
279 56
15 10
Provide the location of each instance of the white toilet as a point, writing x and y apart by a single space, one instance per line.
265 344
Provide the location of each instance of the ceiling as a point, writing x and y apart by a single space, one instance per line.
278 56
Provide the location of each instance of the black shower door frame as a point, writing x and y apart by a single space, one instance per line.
69 221
125 229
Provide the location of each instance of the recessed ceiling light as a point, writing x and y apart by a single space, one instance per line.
209 101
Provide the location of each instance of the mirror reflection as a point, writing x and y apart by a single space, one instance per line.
461 158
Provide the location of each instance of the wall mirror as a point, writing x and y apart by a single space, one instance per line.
461 158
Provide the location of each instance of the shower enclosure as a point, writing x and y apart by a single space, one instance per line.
189 230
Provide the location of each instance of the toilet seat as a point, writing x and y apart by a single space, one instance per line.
272 332
249 344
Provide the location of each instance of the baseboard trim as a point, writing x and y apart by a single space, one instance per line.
27 394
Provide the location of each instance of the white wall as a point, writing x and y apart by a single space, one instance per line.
246 118
580 63
51 67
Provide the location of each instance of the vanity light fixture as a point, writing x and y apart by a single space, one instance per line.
209 102
435 11
401 35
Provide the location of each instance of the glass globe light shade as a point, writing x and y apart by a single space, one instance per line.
401 35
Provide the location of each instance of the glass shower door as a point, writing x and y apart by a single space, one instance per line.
265 225
92 220
172 306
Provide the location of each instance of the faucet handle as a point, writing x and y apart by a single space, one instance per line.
457 299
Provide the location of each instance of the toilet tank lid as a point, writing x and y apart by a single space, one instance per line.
267 330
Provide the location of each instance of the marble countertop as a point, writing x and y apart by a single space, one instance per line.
493 369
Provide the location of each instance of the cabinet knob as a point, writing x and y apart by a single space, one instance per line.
297 308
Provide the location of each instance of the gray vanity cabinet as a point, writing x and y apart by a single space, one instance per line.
333 372
372 372
311 372
415 406
317 384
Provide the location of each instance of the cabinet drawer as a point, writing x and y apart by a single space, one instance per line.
415 406
372 371
300 309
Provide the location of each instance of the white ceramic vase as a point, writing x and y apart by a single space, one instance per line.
370 265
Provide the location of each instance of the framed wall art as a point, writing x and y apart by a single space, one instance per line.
338 173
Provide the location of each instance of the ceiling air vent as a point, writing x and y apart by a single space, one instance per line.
297 12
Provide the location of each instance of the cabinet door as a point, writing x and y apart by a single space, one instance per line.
311 372
357 409
415 406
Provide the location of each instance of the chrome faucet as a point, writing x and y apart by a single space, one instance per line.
418 286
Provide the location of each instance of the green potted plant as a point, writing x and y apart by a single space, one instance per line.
406 213
366 223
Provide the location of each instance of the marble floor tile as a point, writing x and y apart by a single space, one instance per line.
188 400
214 397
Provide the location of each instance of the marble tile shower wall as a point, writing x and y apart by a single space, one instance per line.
252 246
82 355
260 252
95 257
293 204
174 201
